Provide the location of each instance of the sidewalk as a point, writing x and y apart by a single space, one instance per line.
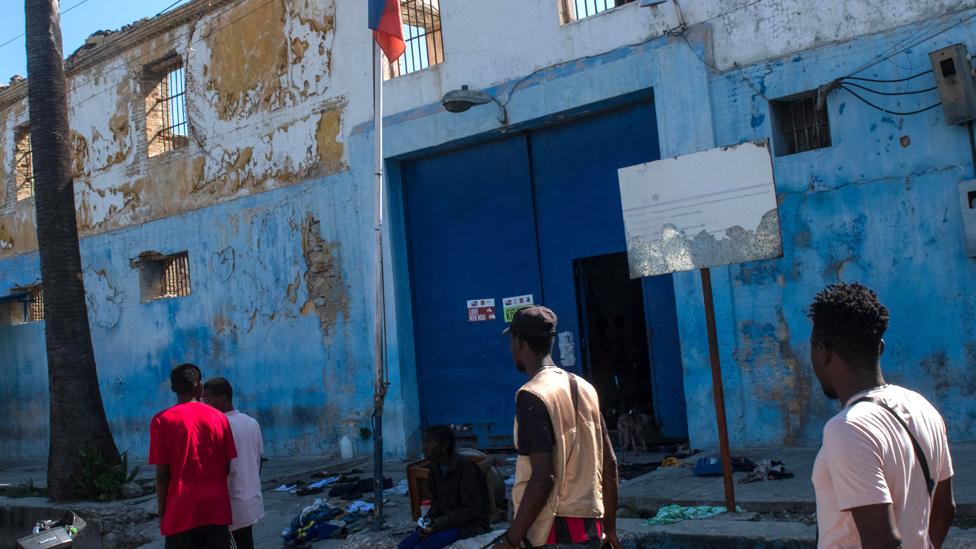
650 492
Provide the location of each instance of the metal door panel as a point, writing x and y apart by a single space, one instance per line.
577 195
471 235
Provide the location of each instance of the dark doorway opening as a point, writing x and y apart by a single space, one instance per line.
615 347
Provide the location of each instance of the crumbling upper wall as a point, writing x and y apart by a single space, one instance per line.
264 112
743 32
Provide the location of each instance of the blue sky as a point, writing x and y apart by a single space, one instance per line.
89 16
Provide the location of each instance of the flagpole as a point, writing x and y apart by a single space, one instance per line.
379 381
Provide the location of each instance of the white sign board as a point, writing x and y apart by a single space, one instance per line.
709 208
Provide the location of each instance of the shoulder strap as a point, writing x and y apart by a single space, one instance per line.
574 394
919 454
574 390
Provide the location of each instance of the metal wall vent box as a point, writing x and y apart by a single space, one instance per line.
954 76
967 206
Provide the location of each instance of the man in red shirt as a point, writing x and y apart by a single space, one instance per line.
191 445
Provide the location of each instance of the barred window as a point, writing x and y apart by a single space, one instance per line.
422 33
166 118
23 162
574 10
24 304
35 307
798 125
164 276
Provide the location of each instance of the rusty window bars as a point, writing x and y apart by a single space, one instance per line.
23 162
581 9
176 276
422 33
799 125
167 124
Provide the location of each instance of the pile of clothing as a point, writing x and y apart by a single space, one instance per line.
347 487
316 522
766 469
763 469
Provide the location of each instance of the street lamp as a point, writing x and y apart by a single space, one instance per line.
463 99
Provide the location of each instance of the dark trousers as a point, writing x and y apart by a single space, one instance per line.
204 537
436 540
244 538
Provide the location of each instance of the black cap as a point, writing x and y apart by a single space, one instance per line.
535 321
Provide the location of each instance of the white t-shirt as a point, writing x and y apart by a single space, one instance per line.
244 480
867 459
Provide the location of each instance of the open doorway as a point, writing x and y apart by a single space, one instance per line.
616 354
622 354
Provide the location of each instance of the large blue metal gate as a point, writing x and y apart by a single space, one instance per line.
508 218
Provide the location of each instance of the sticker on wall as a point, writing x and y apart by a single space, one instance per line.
481 310
513 304
567 349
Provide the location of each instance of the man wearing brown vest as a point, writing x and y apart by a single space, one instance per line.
565 492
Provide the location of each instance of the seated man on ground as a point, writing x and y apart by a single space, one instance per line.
459 506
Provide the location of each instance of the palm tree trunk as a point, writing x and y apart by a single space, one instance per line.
77 414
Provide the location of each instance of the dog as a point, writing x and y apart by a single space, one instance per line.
631 428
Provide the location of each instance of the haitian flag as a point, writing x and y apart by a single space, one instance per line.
384 19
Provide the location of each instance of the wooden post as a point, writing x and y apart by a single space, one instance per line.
723 433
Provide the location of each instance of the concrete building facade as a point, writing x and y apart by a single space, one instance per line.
268 191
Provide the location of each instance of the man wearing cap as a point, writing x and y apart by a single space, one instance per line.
565 491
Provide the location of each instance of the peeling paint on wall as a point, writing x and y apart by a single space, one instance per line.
234 81
247 65
327 292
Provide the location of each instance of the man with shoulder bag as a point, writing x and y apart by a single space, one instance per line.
565 492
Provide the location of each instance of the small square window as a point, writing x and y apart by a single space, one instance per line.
422 33
26 306
574 10
23 162
166 118
164 276
798 125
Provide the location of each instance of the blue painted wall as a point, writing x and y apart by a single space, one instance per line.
865 209
307 382
868 209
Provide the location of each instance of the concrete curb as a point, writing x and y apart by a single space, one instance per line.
741 531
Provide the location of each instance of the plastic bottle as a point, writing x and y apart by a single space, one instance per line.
345 447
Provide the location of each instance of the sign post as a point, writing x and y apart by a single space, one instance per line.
718 390
715 207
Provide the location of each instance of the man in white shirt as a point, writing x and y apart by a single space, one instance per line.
883 476
244 481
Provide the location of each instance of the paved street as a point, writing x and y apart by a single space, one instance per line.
774 509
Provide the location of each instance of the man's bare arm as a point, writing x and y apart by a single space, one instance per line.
610 480
943 513
876 526
162 486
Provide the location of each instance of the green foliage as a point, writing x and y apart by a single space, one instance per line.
100 479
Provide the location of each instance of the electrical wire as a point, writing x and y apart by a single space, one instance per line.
912 45
66 10
883 81
169 7
879 92
731 11
888 111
